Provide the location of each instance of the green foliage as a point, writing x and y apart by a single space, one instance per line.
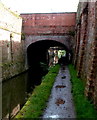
61 53
23 36
72 33
83 107
36 104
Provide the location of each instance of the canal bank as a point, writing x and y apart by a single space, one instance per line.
16 91
36 103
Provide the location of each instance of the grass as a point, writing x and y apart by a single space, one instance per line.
84 108
36 104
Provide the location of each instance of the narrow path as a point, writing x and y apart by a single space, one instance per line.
60 104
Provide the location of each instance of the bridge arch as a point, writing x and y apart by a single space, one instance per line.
37 52
39 48
42 45
66 40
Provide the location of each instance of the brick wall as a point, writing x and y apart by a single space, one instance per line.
54 23
10 42
86 48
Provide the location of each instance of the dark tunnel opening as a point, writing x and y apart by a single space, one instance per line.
37 53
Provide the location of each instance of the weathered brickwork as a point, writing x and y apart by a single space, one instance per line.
50 23
59 27
51 26
10 43
86 47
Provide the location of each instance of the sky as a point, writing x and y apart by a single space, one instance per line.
41 6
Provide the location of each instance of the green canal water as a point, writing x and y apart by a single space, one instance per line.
14 93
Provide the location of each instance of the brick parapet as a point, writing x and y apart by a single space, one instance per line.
51 23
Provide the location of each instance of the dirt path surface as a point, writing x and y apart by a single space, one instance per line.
60 104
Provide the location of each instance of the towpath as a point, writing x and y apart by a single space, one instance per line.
60 104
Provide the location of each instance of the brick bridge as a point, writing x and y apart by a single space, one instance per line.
51 26
42 31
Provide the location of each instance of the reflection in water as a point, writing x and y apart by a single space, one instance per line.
15 91
13 95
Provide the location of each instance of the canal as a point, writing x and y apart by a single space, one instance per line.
14 94
15 91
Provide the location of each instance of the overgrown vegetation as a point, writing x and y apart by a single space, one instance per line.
35 105
23 36
72 33
84 108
